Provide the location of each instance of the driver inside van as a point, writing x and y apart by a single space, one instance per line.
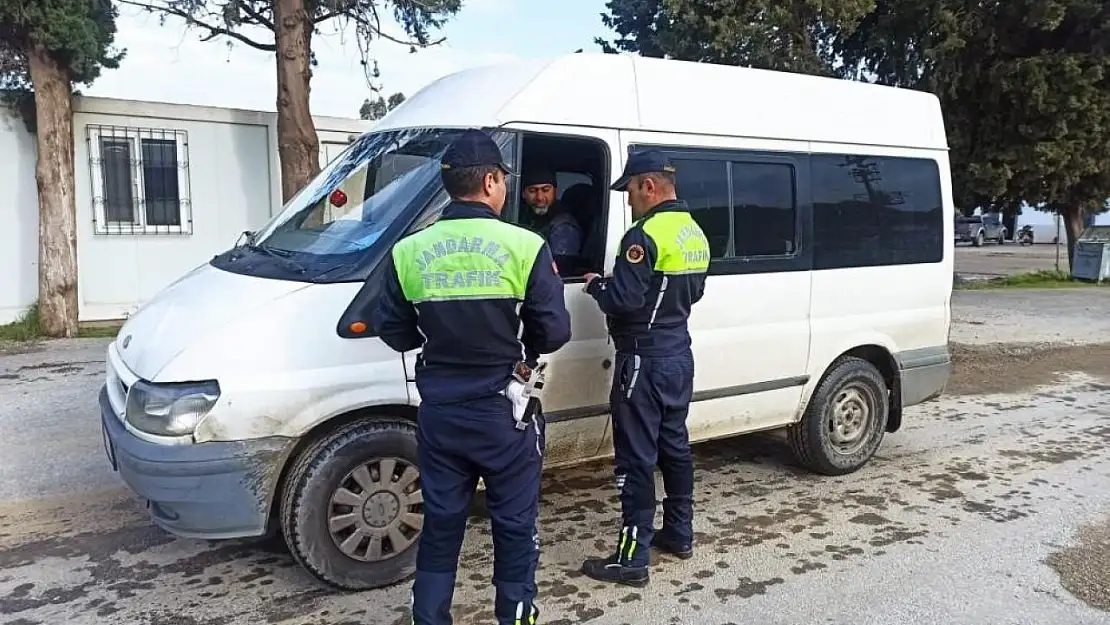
551 220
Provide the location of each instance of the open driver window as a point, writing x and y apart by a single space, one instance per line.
572 211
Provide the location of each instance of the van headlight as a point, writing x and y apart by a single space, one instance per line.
172 409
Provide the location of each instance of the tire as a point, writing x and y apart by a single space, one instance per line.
1002 238
979 239
349 457
853 382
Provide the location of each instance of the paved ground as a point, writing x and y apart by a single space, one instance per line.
1008 259
1068 316
985 509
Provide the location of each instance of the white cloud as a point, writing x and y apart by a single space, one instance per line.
169 64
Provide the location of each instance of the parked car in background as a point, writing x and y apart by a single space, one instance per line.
978 229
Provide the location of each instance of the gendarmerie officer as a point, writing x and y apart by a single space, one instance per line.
483 299
658 276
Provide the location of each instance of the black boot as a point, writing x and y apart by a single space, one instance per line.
664 543
618 568
611 570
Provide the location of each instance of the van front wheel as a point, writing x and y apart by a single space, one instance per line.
352 508
845 420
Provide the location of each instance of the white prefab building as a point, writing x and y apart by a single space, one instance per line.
161 188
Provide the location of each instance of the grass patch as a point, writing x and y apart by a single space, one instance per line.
1044 279
99 330
28 327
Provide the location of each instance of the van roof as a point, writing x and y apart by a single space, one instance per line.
610 90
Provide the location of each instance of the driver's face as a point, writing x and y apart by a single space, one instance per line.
540 197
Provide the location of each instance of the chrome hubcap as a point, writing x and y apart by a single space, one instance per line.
377 510
849 420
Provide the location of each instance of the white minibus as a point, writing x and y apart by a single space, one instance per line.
251 396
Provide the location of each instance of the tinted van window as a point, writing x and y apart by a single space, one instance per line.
703 185
763 209
745 209
871 210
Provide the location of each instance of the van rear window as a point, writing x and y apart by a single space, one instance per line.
875 210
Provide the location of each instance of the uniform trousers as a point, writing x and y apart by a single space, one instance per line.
458 443
650 400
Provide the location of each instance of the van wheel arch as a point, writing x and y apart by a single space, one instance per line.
346 549
885 362
868 370
385 412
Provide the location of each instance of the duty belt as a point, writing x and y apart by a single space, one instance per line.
632 344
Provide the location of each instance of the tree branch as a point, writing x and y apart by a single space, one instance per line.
256 16
192 22
375 28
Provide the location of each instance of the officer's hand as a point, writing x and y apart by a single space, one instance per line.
589 278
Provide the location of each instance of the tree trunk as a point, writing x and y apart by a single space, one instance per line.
1074 218
57 201
298 147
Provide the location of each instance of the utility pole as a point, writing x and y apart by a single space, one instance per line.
1057 242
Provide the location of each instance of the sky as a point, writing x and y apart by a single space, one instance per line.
170 64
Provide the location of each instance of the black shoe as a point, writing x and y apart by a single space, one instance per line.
666 545
611 570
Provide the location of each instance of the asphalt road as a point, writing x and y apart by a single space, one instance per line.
984 509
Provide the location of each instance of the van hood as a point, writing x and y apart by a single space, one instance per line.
185 311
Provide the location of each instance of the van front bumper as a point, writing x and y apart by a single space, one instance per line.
211 490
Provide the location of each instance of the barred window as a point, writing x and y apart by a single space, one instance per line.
140 180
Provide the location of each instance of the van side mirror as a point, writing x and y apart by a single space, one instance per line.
249 234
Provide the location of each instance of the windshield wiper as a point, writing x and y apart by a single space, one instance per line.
283 258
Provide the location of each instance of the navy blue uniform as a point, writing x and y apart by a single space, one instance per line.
470 345
658 276
443 292
638 320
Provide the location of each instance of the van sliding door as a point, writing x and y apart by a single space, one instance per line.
751 330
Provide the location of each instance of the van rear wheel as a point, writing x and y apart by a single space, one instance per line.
845 420
352 508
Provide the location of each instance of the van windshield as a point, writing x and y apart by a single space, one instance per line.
328 227
348 206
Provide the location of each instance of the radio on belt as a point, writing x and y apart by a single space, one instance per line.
532 380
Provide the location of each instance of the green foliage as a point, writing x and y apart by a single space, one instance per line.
229 18
377 109
28 326
78 34
791 35
642 27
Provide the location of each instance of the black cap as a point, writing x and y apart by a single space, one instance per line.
537 176
643 162
473 148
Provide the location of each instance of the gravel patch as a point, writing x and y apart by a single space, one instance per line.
1084 568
